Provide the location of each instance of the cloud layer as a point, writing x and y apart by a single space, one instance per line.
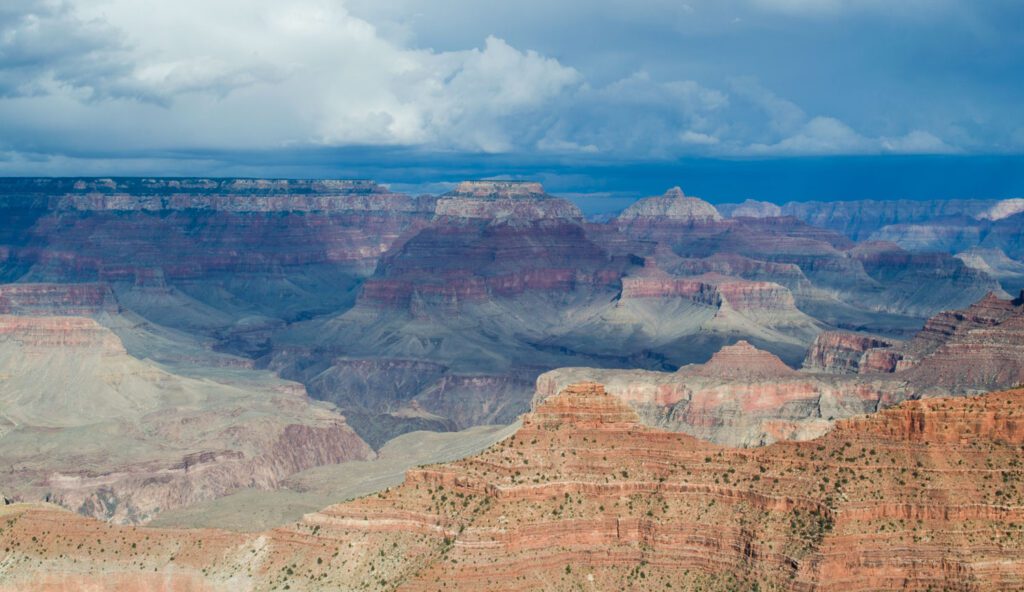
101 79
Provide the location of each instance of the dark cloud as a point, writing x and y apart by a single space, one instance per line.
605 81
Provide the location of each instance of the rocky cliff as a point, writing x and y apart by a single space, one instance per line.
743 396
927 495
746 396
840 352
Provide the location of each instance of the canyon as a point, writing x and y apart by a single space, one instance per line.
177 338
744 396
925 495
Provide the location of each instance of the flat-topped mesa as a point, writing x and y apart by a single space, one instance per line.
503 201
57 299
584 405
499 190
740 360
673 206
841 352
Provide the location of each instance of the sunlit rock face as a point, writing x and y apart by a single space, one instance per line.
745 396
585 495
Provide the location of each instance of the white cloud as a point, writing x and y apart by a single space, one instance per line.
309 62
697 138
106 76
827 135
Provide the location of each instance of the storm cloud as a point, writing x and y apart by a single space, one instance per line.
180 86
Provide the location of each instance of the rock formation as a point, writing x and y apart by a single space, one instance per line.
673 206
746 396
751 209
439 313
848 353
1003 209
507 201
583 496
743 396
85 425
996 263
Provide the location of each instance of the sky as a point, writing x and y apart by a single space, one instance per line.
771 99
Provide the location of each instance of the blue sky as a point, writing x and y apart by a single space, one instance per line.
582 94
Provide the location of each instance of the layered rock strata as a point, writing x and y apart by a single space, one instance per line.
849 353
743 396
509 201
928 495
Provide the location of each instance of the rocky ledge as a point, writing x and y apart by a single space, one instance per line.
584 497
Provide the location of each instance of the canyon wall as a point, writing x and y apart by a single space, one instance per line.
584 496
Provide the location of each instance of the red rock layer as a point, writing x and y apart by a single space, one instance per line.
711 289
928 495
450 264
741 360
849 353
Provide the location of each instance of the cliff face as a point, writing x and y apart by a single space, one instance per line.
509 201
584 496
948 226
743 396
746 396
860 219
119 230
848 353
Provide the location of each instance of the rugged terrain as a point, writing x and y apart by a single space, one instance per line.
948 225
745 396
926 495
132 305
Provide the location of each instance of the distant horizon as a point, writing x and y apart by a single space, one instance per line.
605 187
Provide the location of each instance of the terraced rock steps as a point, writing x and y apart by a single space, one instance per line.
926 495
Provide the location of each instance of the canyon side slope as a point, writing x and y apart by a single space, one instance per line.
154 324
744 396
926 495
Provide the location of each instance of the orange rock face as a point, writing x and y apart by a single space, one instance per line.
926 495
